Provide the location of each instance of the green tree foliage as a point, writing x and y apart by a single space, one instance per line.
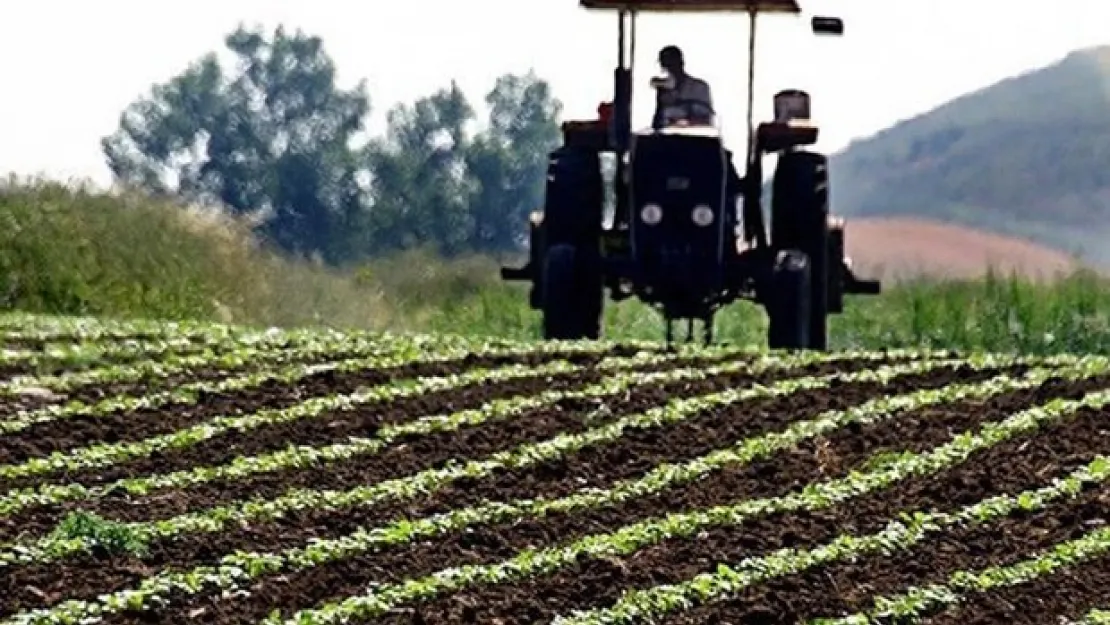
420 182
436 183
509 160
274 136
270 136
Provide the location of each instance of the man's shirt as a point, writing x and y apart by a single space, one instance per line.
689 98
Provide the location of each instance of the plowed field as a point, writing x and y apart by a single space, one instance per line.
156 473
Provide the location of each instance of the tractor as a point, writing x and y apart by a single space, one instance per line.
684 236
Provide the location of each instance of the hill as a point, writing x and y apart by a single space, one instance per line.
1027 157
908 247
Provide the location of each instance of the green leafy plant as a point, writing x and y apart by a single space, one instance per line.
101 536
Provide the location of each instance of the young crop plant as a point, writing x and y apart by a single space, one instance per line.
324 477
214 520
100 536
237 570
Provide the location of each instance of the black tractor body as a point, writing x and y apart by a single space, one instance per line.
687 233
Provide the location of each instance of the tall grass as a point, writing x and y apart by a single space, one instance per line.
68 250
997 312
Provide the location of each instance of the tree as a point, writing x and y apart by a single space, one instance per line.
420 185
508 160
271 136
436 184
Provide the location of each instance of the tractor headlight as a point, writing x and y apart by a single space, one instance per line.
702 215
652 214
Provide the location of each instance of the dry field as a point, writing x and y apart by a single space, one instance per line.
908 247
176 474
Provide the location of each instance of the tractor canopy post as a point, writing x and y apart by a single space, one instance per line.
622 82
752 20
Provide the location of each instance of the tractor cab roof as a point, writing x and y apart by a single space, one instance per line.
695 6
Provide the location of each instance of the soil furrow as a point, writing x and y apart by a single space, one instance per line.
90 393
1010 467
395 462
299 526
43 439
638 451
55 366
30 339
849 587
407 455
774 476
206 373
420 453
167 503
1064 595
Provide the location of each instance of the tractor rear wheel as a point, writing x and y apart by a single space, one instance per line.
788 305
572 295
799 220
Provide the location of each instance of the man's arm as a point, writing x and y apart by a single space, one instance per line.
708 95
701 101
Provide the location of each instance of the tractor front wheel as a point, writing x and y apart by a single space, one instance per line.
572 295
788 304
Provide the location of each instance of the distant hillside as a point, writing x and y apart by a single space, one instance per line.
905 247
1028 156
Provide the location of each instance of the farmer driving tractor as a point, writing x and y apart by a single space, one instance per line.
680 96
682 99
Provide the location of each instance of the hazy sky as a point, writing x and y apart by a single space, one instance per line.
71 66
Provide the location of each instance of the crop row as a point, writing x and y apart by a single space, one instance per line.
43 329
106 454
90 354
224 375
277 351
898 536
1097 616
292 456
962 585
360 357
49 494
234 356
729 580
237 570
452 480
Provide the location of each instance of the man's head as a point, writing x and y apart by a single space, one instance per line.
670 59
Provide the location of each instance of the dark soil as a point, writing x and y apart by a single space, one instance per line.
338 426
420 453
10 342
415 455
57 366
1011 467
298 527
846 588
1067 593
46 438
90 394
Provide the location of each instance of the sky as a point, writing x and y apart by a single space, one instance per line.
71 66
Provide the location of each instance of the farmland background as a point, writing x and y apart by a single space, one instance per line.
288 214
68 250
462 471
